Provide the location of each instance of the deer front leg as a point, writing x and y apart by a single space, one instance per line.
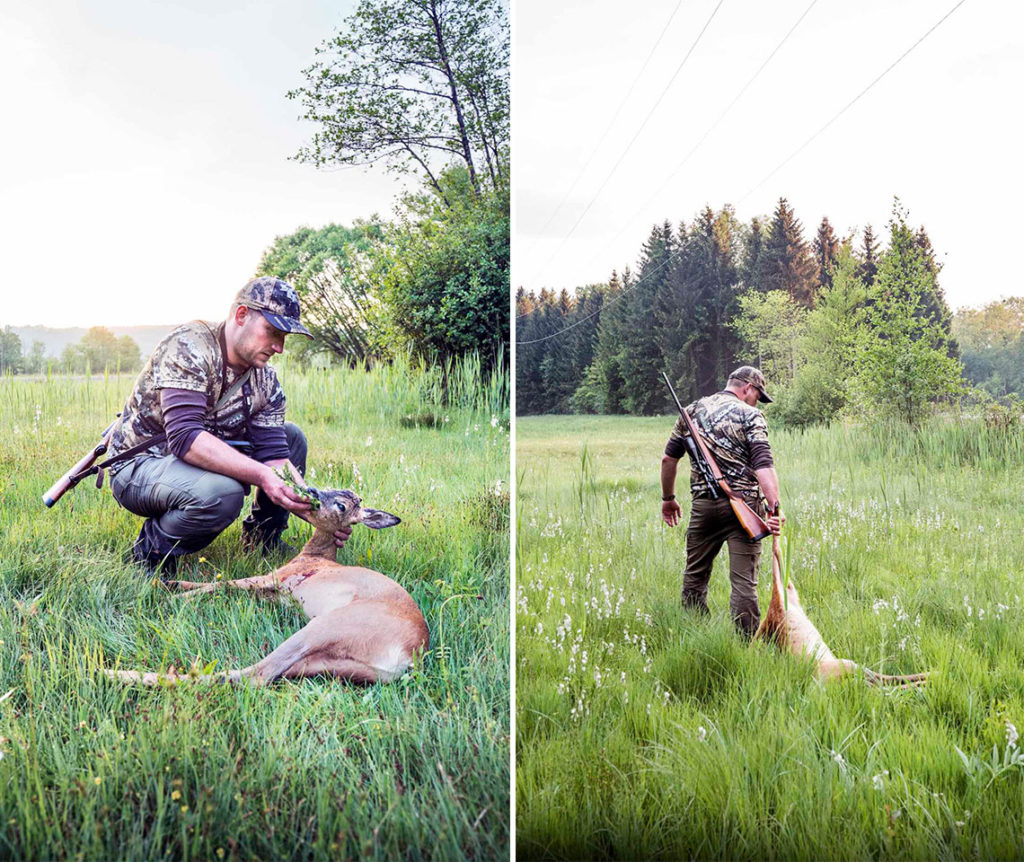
261 583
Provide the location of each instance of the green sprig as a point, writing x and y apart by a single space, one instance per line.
301 490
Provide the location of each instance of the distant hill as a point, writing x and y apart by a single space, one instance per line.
147 337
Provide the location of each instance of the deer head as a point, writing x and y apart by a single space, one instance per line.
335 509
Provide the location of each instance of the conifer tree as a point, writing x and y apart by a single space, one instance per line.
784 262
700 349
753 239
556 367
640 358
603 387
868 257
826 250
535 324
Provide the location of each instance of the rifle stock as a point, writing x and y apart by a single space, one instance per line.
75 475
752 523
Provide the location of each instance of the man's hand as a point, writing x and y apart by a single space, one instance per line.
670 512
278 491
775 523
341 536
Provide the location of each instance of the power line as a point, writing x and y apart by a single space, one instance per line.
636 135
721 117
843 110
852 102
711 128
615 117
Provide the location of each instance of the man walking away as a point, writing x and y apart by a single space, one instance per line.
736 433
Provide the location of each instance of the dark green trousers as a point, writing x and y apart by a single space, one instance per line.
186 507
713 524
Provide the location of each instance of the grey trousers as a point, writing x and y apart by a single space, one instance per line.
186 507
712 524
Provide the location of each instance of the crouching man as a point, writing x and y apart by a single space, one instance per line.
205 421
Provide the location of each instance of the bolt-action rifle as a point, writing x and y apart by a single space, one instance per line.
88 466
705 462
82 469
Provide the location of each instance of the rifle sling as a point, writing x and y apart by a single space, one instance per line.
156 439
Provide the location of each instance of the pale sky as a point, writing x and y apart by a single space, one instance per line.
144 154
942 130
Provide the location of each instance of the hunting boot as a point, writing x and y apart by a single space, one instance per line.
154 563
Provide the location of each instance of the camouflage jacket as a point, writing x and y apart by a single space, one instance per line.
192 357
729 426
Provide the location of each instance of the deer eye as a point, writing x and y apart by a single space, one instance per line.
339 506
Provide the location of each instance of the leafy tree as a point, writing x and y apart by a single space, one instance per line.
413 83
833 333
826 249
905 363
784 262
99 350
444 273
772 326
35 361
329 268
11 361
129 357
991 339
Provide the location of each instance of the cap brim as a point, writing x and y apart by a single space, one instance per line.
763 396
285 324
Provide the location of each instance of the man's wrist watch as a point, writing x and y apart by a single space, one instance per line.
668 499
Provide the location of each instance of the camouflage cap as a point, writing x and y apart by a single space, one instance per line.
276 300
753 376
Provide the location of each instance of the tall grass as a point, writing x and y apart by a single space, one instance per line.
644 731
317 769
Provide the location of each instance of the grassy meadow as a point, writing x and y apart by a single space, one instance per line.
644 732
317 769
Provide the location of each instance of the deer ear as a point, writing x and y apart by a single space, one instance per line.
378 520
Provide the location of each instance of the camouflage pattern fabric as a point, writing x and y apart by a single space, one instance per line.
191 358
728 427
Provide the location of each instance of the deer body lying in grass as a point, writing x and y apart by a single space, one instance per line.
363 626
793 632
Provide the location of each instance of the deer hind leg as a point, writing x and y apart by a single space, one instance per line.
365 642
273 667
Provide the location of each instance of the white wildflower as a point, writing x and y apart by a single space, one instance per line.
1011 735
369 440
702 733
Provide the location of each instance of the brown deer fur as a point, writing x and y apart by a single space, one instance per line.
363 626
793 632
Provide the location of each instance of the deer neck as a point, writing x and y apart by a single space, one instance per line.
321 545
